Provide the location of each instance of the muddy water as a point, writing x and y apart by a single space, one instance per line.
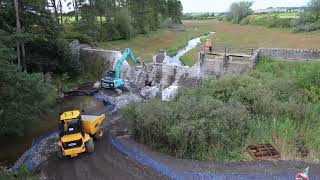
13 148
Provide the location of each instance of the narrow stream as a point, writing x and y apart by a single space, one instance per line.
191 44
176 59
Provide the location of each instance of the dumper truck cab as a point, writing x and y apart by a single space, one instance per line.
76 133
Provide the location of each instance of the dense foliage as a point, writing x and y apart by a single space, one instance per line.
277 103
21 173
23 98
239 10
40 36
113 19
198 16
307 21
269 20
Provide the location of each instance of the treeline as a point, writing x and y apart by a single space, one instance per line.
28 29
309 20
104 20
33 42
30 41
202 16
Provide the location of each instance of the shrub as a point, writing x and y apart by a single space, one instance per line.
239 10
81 37
22 173
217 120
205 133
308 27
126 30
306 23
17 88
109 32
271 21
276 22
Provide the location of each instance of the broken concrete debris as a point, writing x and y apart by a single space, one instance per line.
170 93
149 92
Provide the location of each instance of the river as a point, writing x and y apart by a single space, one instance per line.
191 44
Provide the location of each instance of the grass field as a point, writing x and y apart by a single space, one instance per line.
239 38
148 45
280 15
236 38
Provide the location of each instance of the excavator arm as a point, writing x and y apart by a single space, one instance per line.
127 53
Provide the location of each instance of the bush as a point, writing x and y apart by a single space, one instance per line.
276 22
23 98
307 27
109 32
271 21
126 30
22 173
81 37
206 133
239 10
306 23
217 120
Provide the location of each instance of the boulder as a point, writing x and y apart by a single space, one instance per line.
169 93
149 92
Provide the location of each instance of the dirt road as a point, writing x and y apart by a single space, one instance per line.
104 163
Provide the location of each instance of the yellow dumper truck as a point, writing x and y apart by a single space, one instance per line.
76 133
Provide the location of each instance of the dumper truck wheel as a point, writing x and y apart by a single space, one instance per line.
90 146
99 134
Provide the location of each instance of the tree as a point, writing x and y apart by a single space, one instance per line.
307 20
138 9
17 88
6 46
239 10
16 8
55 9
314 6
101 7
175 10
123 21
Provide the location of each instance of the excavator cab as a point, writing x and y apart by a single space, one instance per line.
108 81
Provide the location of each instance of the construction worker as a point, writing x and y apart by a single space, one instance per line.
208 46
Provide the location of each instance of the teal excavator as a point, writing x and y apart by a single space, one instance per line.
112 80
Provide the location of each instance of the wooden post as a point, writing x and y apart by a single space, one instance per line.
225 58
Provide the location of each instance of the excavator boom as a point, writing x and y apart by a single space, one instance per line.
113 79
127 53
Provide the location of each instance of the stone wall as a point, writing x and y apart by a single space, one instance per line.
217 68
157 74
289 54
89 56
